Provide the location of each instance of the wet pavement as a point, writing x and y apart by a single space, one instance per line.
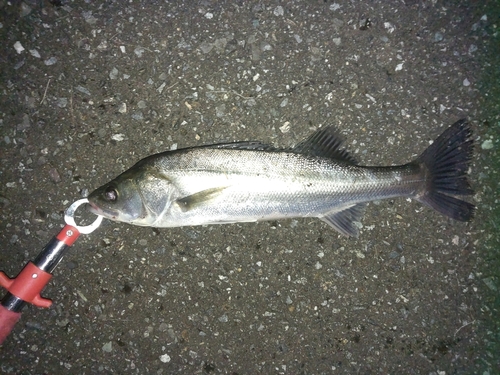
88 88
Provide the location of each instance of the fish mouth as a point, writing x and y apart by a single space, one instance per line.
110 214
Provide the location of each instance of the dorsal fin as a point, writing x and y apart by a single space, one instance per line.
325 142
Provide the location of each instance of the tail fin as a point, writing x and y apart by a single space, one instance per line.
447 161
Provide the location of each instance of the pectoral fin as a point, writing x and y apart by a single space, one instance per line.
345 221
195 200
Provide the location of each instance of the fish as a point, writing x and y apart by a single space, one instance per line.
253 181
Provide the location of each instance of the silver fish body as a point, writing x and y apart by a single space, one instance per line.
250 181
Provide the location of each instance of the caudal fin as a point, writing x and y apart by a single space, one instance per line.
447 162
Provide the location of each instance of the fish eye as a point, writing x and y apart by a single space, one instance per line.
110 194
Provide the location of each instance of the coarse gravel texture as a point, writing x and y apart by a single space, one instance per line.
90 87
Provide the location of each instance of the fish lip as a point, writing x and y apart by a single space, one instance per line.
93 208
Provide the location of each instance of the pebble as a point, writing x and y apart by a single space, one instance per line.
62 102
35 53
487 145
438 37
165 358
18 47
83 90
108 347
54 175
139 51
50 61
223 318
113 74
278 11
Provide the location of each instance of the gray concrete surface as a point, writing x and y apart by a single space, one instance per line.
92 87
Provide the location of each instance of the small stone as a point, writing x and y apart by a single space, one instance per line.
122 108
50 61
223 318
118 137
139 51
108 347
206 47
62 102
25 9
466 82
83 90
18 47
35 53
285 128
220 110
278 11
438 37
54 175
113 74
165 358
487 145
138 116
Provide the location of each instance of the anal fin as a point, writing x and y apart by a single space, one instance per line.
344 221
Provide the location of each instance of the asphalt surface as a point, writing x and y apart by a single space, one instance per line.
88 88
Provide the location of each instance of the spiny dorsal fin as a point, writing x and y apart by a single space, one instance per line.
344 221
325 142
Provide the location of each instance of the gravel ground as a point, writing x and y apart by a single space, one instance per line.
89 87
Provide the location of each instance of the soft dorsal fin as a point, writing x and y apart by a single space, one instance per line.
325 142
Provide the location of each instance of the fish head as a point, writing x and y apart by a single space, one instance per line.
137 196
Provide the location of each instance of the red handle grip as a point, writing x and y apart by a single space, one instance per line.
8 320
28 285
